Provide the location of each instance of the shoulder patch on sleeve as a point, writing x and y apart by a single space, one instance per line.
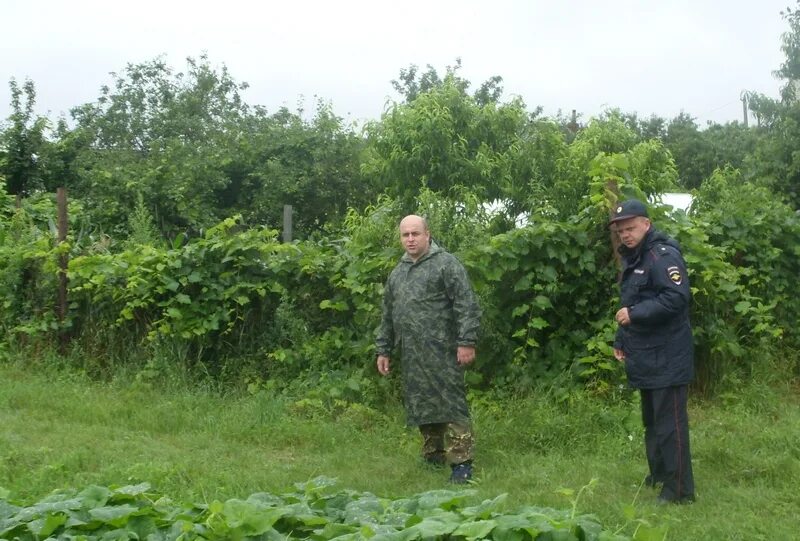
674 274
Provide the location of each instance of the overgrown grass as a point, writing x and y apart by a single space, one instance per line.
59 429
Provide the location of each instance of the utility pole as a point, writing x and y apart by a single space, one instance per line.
743 97
573 123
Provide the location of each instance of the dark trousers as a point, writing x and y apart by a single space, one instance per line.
666 440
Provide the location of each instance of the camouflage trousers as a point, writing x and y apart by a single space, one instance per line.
450 442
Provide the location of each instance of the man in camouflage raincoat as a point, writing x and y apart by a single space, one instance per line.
431 315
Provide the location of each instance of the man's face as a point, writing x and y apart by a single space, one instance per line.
414 237
632 231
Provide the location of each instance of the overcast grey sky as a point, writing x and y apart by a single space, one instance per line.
644 56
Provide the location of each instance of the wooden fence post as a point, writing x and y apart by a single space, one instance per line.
63 260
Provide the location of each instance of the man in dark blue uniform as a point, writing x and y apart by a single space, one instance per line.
654 340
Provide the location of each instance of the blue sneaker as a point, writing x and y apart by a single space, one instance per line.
461 473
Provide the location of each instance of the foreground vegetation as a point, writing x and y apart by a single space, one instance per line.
60 430
314 510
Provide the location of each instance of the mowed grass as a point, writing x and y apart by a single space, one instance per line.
59 430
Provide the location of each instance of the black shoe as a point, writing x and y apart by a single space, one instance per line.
651 482
683 500
461 473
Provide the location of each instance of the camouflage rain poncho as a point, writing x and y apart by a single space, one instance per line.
429 309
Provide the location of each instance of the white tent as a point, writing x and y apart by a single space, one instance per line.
678 201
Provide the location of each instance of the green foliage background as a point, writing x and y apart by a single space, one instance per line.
177 188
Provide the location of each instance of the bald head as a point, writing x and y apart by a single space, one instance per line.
415 236
414 220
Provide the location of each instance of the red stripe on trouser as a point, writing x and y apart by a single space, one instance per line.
678 440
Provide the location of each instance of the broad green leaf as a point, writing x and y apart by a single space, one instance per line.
43 527
95 496
327 304
445 499
520 310
77 518
309 519
475 530
484 509
524 283
367 507
143 526
510 534
7 510
113 515
332 530
433 527
249 518
171 284
539 323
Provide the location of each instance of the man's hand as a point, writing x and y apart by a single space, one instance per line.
623 316
466 354
619 354
383 364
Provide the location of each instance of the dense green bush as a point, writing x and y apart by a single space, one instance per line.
240 304
523 205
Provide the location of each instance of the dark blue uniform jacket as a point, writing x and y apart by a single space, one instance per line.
655 287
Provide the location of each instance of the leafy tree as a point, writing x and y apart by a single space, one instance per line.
446 140
411 83
766 110
142 228
312 165
775 162
760 237
693 153
790 45
697 152
22 143
159 134
653 127
733 144
196 153
608 151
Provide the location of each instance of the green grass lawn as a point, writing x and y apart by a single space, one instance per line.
59 430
